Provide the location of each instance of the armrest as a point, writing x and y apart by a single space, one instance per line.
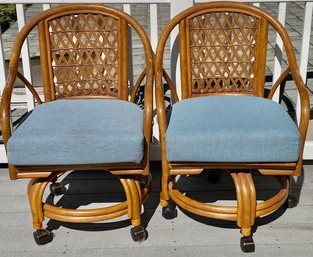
5 116
30 87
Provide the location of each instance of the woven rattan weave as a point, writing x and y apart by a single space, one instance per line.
222 52
84 56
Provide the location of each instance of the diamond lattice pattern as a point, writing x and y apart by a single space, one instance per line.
84 55
223 52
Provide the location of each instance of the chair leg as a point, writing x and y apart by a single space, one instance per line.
35 192
134 199
246 202
169 210
164 194
168 207
291 200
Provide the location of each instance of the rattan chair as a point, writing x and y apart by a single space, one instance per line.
89 120
224 122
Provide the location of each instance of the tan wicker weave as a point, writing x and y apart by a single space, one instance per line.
222 52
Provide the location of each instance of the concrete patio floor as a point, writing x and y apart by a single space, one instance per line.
287 232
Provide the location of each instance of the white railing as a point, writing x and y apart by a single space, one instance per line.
175 7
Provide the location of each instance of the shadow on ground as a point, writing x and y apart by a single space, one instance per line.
85 188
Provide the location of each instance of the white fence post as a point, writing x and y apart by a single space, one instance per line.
20 12
2 66
3 158
279 48
176 7
154 41
306 35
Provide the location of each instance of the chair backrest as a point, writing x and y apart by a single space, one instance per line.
84 50
223 48
84 53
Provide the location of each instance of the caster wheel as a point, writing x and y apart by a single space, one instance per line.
145 181
169 212
291 201
56 189
247 244
43 236
214 176
139 234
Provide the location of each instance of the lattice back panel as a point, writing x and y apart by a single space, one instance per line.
223 51
84 55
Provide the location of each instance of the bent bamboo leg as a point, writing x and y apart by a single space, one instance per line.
246 201
289 179
128 196
35 190
136 202
164 195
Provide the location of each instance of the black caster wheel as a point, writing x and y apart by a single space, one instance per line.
139 234
214 176
247 244
145 181
291 201
57 189
43 236
169 212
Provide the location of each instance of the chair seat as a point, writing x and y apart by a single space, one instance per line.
231 129
71 132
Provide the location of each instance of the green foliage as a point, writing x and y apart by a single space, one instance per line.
7 15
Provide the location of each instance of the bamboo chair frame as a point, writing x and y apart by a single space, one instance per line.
247 208
129 174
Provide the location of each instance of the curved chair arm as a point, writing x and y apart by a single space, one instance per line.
8 89
30 87
303 94
5 117
171 86
167 79
304 114
304 98
149 73
137 85
278 82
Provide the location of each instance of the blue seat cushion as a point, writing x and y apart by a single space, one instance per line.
231 129
70 132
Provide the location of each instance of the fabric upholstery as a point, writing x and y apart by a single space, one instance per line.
231 129
79 132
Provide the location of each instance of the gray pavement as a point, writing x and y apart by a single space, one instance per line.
286 233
